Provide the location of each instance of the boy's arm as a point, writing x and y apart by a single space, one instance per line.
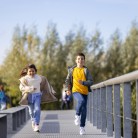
89 80
68 83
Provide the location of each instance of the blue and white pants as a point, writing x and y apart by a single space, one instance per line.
34 101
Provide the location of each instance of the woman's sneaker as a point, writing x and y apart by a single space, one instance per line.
36 128
77 120
82 131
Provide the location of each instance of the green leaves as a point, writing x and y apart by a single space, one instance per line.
52 56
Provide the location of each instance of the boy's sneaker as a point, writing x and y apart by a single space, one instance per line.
36 128
33 125
77 120
82 131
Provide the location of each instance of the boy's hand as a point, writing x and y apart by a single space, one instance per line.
80 81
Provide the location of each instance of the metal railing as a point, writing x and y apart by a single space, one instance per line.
106 101
11 119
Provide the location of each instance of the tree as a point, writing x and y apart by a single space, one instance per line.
12 65
50 65
79 44
130 48
95 56
17 58
113 58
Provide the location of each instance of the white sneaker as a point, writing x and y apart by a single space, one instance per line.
82 131
36 128
77 120
33 125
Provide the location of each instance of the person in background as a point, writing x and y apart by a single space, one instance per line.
2 98
78 81
66 99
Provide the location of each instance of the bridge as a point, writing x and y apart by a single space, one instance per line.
56 124
109 114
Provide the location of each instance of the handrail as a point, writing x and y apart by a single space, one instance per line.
106 101
15 117
117 80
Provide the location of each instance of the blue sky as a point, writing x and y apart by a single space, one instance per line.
106 15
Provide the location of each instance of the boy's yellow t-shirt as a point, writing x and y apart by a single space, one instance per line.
78 74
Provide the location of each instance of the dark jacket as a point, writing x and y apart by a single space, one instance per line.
69 79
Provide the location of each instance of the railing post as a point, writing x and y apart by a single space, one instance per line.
117 120
91 107
117 83
94 108
98 109
109 100
127 110
3 126
88 107
103 108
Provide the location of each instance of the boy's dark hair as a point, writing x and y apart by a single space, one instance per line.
25 70
81 54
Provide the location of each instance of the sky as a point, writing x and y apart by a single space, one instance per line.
105 15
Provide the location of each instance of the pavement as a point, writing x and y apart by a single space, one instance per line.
57 124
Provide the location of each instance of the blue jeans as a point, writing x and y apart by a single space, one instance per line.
81 107
34 101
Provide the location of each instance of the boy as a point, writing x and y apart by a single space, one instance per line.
78 81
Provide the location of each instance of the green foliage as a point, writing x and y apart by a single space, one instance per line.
94 56
129 50
16 59
52 57
113 60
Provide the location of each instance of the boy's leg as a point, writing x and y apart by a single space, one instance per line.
83 111
80 100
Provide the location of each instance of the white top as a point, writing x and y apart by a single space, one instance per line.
63 94
32 82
